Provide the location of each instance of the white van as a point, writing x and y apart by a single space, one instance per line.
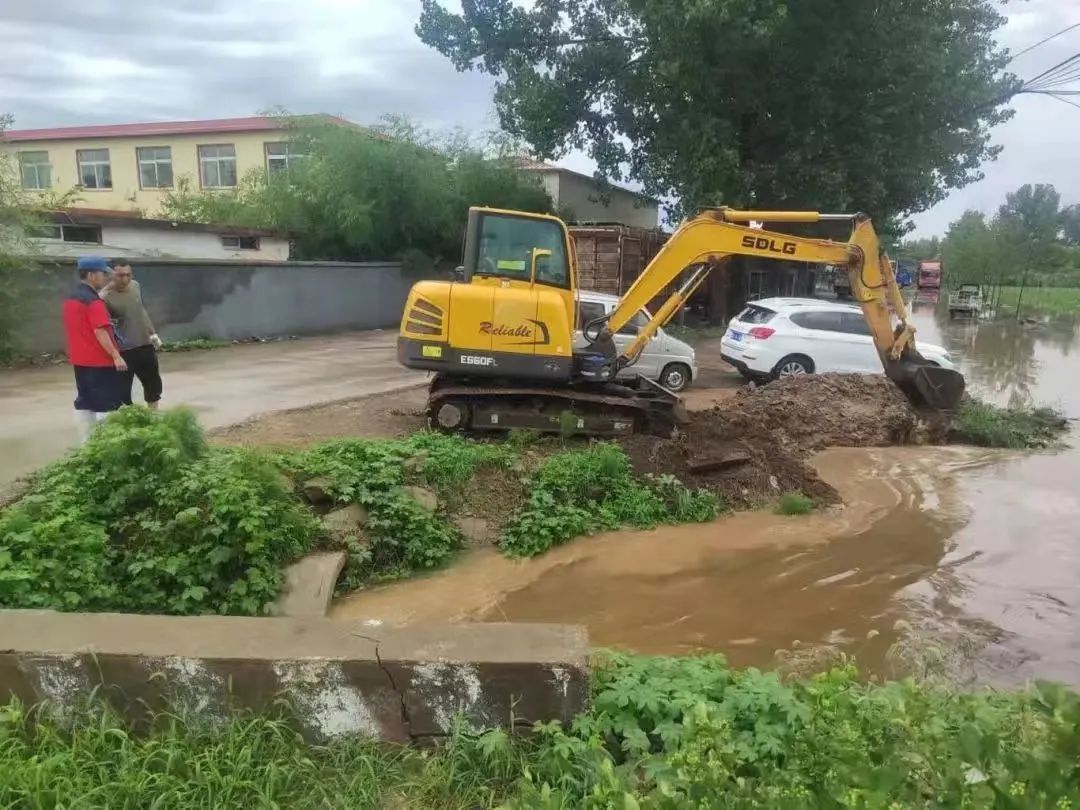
666 359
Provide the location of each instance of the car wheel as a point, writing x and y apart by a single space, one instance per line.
794 365
675 377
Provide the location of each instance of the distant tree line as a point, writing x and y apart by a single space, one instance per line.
1032 235
358 193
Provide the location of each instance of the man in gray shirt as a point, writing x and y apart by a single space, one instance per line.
136 334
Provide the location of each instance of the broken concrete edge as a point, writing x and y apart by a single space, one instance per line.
309 585
340 678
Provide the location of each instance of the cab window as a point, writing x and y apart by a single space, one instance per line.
589 311
506 249
635 324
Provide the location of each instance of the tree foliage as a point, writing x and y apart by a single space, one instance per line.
370 193
19 213
1031 234
836 104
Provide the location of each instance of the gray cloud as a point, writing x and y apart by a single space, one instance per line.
65 62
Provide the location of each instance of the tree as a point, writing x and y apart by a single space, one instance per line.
1070 225
831 105
1029 229
970 251
921 249
370 194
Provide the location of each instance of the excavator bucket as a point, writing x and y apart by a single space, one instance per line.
925 384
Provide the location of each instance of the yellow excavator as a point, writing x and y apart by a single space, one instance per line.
500 338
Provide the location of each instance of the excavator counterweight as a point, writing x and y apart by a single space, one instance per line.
501 337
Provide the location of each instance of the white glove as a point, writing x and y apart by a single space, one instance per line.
155 341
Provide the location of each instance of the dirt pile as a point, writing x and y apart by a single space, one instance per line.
754 446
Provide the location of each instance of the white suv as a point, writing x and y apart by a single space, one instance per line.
784 337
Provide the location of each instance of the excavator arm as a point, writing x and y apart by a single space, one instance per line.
714 235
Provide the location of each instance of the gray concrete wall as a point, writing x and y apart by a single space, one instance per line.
342 678
228 300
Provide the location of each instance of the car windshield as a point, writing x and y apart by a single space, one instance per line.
756 314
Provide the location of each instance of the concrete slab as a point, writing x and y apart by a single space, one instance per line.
309 585
342 678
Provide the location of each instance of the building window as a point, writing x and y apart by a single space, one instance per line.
94 168
217 165
47 231
281 156
240 242
155 166
83 234
35 170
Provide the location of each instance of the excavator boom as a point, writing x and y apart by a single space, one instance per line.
714 235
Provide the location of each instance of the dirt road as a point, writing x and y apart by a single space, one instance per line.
402 411
224 386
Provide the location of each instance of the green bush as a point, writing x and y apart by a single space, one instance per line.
146 518
404 537
579 492
794 503
661 732
986 425
217 540
673 733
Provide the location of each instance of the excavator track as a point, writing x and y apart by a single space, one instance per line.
611 410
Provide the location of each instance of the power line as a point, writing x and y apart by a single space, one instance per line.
1044 41
1067 101
1050 73
1063 75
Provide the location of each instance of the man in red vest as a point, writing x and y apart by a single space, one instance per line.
92 347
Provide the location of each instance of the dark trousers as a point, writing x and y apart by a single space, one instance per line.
99 389
142 362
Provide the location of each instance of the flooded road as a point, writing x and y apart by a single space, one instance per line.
944 559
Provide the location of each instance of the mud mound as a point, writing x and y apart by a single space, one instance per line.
753 447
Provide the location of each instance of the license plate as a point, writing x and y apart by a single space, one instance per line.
736 336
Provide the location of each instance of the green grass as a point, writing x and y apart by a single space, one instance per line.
986 425
794 503
659 733
193 344
1054 300
579 492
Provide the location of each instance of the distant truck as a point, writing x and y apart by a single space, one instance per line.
928 275
905 277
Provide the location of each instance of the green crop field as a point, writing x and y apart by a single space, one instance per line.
1056 300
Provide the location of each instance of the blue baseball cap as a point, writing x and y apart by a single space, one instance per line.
92 264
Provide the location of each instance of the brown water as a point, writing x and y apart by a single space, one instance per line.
964 558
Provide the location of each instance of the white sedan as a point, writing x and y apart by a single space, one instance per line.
785 337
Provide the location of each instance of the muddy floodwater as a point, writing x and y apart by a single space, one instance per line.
953 559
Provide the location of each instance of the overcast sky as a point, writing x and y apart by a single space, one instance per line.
65 62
